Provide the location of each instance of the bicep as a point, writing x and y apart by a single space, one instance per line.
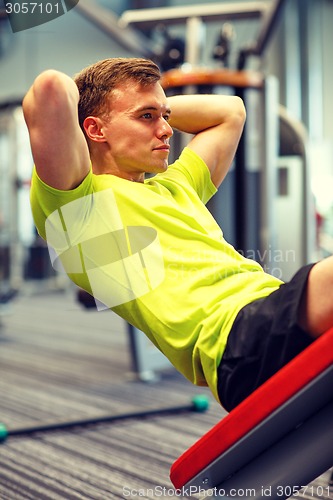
58 145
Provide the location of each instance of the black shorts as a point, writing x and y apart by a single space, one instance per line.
265 336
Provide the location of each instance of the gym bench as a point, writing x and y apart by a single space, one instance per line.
275 442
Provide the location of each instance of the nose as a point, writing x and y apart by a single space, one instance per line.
165 129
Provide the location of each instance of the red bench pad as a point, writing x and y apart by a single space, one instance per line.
255 409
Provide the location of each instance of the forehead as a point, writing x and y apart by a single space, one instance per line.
132 96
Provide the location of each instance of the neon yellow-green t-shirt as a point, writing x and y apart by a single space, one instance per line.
153 253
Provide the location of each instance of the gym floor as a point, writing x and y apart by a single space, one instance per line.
58 362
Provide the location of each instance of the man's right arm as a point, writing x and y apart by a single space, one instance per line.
58 145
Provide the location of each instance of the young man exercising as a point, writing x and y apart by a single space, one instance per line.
148 248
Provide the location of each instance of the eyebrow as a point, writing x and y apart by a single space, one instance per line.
152 108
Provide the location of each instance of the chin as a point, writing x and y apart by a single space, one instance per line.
164 166
158 169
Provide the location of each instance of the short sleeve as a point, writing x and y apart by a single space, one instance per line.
45 199
196 172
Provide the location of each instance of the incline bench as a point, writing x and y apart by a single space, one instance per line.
277 440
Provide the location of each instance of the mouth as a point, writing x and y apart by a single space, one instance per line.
164 147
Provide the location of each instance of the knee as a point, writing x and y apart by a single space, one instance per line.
316 311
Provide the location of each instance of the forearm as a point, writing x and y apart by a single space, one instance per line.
196 113
216 123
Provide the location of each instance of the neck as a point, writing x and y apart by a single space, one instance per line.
103 163
111 169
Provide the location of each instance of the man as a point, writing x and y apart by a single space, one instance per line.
148 248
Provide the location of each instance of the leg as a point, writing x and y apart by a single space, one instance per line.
316 312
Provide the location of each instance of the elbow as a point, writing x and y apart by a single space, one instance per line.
46 85
49 90
240 110
52 82
237 115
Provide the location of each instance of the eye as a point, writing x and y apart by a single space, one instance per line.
166 117
147 116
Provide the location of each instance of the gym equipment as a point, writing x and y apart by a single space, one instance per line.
276 441
193 17
9 138
23 253
294 196
258 47
107 22
198 404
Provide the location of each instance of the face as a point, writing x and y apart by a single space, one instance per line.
137 129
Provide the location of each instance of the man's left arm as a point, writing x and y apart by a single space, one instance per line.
216 122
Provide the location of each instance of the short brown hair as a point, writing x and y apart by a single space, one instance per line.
97 81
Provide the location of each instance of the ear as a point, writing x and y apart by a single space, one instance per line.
93 127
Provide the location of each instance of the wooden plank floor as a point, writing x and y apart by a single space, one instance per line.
58 361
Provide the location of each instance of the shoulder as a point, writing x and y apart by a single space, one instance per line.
189 170
45 199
